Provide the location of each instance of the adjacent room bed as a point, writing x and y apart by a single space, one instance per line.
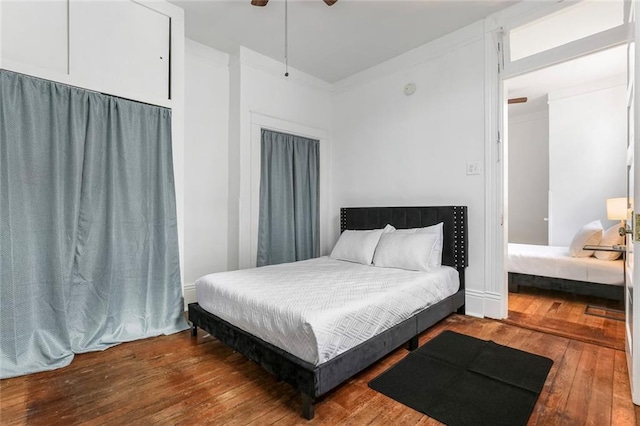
553 268
316 323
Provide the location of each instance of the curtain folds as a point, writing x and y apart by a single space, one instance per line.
288 228
88 229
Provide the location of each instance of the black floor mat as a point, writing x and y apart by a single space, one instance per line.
461 380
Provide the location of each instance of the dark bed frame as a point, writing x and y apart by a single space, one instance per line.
313 381
605 291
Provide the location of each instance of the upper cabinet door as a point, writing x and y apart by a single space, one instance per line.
120 47
34 35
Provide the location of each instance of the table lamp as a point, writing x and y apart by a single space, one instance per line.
617 210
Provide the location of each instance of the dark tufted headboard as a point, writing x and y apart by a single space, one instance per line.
454 250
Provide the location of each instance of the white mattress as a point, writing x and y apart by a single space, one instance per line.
556 262
319 308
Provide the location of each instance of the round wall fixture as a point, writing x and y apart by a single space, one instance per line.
410 89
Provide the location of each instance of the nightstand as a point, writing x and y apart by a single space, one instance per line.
618 248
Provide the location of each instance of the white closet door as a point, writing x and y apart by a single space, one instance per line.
123 44
34 35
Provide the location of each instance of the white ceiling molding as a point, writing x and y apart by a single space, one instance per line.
207 54
414 57
527 117
261 62
594 86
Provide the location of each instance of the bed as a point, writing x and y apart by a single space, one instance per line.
316 360
552 268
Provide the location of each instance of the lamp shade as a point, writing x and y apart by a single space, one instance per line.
617 208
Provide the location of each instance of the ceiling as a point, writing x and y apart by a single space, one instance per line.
330 43
583 70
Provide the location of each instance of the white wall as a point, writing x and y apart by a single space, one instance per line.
206 173
225 98
260 89
392 149
587 154
528 176
384 148
233 201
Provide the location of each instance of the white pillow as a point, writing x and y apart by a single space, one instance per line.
436 257
411 251
590 234
610 238
356 246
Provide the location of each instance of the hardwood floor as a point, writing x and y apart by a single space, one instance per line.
564 315
178 379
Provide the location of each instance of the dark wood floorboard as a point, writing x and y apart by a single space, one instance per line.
180 380
563 314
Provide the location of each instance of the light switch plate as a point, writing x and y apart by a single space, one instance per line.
473 168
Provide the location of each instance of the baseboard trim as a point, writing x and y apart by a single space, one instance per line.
474 303
493 305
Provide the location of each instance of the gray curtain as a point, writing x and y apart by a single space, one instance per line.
88 230
288 227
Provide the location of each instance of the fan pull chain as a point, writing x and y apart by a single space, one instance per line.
286 39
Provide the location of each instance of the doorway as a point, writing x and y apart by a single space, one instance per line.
566 133
551 36
540 24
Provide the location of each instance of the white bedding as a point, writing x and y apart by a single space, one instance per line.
319 308
556 262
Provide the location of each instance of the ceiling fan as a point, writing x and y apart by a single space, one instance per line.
264 2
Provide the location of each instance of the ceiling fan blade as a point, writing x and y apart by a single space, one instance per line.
517 100
259 2
330 2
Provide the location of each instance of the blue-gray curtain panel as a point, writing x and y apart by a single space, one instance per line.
88 229
288 228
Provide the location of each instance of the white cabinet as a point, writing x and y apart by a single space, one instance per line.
120 47
125 43
34 34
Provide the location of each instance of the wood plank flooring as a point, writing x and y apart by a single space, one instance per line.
563 314
182 380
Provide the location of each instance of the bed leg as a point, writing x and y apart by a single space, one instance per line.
513 286
461 310
412 344
308 408
194 330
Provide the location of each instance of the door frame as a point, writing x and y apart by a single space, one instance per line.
250 188
632 316
498 68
